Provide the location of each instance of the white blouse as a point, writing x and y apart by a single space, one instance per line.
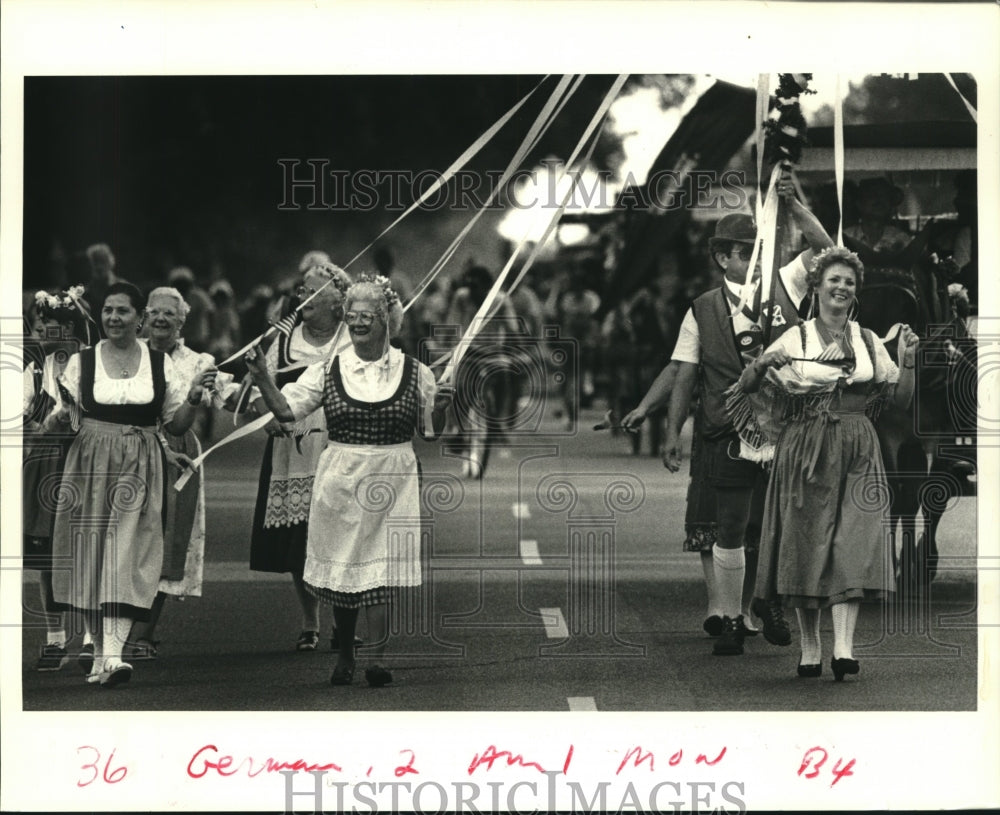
806 377
136 390
365 381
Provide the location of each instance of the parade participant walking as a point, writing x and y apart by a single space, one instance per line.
824 541
109 522
281 515
184 518
717 340
58 329
374 398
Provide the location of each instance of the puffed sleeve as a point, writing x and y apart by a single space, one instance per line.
29 387
885 369
176 391
305 394
70 380
426 391
271 361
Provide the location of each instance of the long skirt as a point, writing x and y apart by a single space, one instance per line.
184 535
107 543
284 493
825 535
365 521
44 459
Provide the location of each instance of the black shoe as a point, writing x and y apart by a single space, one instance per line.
342 674
378 676
747 632
776 630
842 667
86 658
730 641
52 658
307 641
810 671
712 625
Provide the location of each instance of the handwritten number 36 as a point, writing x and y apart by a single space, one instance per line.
110 776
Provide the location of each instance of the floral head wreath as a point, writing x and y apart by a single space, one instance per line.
66 307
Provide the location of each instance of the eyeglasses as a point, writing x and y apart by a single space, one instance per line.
304 291
743 252
359 317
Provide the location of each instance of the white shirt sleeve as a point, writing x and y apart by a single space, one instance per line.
885 370
176 391
793 275
70 379
305 394
688 347
29 387
426 391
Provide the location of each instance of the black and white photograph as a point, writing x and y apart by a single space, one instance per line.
508 433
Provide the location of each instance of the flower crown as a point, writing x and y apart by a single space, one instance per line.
391 298
52 304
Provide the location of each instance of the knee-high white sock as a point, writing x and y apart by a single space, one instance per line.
116 630
730 566
812 650
708 569
845 618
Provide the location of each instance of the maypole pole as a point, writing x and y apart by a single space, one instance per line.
785 135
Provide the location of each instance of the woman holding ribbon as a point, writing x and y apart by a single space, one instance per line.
824 541
281 516
109 518
373 398
59 327
184 532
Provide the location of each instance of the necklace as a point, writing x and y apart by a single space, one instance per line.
126 365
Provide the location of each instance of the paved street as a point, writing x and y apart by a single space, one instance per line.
556 583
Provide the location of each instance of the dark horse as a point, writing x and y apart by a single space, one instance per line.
919 444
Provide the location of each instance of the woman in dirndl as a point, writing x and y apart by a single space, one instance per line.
815 394
184 532
59 328
281 515
374 398
109 519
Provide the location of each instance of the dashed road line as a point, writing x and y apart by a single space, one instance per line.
529 553
555 623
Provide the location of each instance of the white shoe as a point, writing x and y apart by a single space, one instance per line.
115 672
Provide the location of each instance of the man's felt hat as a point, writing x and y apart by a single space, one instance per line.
733 229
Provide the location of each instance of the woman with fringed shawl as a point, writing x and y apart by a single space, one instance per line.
810 402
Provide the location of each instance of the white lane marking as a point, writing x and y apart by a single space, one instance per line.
555 623
581 703
521 510
529 553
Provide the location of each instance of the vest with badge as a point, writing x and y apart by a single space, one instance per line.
725 353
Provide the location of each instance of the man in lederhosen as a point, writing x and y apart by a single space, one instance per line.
718 338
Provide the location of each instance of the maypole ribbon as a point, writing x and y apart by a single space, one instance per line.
763 100
481 318
968 105
246 430
542 122
445 177
838 155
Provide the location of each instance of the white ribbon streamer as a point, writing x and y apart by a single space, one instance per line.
968 105
838 155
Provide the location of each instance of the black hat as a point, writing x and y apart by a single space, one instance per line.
733 229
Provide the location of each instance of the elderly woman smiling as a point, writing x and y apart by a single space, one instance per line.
374 398
184 533
109 521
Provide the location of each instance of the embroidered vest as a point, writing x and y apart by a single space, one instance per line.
351 421
722 360
141 415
